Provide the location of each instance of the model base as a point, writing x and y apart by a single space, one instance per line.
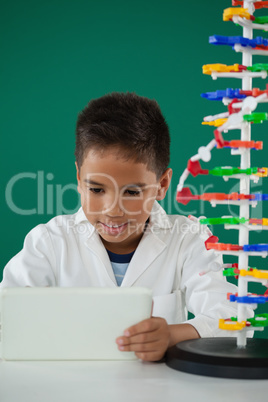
220 357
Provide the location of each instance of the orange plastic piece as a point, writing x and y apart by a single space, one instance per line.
185 195
223 247
235 143
263 221
211 239
213 196
226 197
255 221
228 13
243 144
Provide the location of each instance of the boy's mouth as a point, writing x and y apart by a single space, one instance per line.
113 229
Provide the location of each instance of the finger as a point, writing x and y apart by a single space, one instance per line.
146 337
144 352
141 347
123 340
148 325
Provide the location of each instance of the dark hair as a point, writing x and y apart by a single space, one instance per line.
131 123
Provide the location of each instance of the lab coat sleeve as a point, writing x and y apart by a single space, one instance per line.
33 265
206 295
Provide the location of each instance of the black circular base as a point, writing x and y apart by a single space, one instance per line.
220 357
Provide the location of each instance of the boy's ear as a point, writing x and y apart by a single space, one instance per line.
164 183
78 178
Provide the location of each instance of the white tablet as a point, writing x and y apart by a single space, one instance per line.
69 323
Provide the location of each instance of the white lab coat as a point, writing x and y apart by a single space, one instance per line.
68 252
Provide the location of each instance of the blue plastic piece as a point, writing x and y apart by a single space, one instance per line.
225 93
260 197
255 247
233 40
248 299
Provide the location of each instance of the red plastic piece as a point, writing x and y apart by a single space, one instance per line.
195 168
232 110
241 67
211 239
255 92
261 48
219 139
237 196
258 5
223 247
261 4
185 195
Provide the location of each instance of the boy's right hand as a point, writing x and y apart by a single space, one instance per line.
149 339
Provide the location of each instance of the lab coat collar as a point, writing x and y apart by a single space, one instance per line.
150 246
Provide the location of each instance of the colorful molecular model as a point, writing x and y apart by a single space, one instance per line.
240 115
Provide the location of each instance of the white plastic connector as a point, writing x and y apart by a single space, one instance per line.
243 22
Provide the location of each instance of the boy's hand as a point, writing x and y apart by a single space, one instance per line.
149 339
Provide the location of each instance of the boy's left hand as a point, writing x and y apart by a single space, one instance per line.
149 339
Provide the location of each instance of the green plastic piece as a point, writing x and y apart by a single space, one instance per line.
219 171
255 117
261 20
218 221
259 323
258 67
229 272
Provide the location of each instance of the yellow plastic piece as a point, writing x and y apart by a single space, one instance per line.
262 174
255 273
215 123
231 325
265 221
229 13
219 68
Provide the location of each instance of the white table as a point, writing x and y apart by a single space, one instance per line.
118 381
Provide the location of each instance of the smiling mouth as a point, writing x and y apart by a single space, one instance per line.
113 226
113 229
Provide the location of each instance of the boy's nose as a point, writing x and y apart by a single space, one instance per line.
114 210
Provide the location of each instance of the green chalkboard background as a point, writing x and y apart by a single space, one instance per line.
56 55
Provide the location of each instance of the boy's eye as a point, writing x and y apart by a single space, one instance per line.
133 192
96 190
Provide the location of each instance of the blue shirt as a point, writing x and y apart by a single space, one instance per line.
120 263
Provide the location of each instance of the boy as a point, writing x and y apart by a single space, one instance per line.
121 236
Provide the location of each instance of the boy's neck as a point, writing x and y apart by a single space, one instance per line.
119 248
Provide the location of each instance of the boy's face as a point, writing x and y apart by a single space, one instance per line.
117 196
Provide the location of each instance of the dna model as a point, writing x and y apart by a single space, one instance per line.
240 115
